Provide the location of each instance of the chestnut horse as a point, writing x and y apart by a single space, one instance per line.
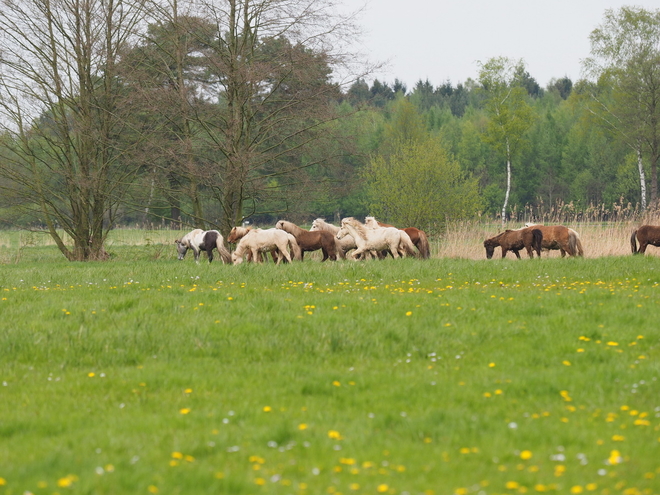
311 240
562 238
417 236
344 245
514 240
646 234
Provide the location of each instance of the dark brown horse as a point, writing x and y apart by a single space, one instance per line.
417 236
311 240
562 238
646 234
514 240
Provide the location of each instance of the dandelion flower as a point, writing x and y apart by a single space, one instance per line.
382 488
302 426
267 409
526 454
184 410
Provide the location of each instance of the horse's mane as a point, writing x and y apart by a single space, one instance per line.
359 227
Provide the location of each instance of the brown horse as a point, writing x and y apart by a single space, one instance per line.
646 234
562 238
417 236
311 240
514 240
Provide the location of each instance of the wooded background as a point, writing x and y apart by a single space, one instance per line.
211 113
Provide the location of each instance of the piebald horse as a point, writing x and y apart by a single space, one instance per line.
203 240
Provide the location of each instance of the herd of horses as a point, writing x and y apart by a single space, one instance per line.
355 240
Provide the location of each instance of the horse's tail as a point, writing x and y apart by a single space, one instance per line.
574 244
295 248
225 255
633 242
423 246
537 241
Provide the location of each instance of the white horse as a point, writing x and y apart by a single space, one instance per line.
373 240
344 245
405 243
203 240
257 241
237 233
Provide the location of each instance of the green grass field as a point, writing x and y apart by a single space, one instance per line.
148 375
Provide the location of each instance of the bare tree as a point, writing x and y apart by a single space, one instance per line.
267 95
62 109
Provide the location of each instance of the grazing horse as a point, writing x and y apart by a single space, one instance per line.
646 234
562 238
385 238
514 240
417 236
237 233
311 240
257 241
202 240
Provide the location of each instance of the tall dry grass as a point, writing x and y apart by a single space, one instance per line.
612 238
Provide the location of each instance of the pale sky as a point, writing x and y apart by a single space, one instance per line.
442 40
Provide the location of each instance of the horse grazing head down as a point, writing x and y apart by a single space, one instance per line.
181 248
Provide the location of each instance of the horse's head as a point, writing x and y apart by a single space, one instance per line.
236 259
315 225
280 225
490 248
182 248
342 232
371 222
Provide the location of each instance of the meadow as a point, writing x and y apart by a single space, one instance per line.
456 375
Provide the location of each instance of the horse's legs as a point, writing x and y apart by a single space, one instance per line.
516 252
209 253
325 254
563 252
642 247
504 251
196 252
256 255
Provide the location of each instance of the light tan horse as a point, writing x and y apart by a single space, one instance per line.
258 241
237 233
560 237
386 238
417 236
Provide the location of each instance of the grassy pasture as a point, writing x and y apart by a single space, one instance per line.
148 375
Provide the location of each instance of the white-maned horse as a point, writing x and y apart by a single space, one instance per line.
202 240
406 241
344 245
374 240
257 241
237 233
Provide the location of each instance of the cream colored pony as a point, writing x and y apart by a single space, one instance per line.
388 238
257 241
406 241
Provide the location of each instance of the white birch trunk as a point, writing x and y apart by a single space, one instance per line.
642 177
508 182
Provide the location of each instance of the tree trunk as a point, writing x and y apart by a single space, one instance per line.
642 177
508 182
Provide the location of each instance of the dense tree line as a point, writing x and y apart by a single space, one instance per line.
213 113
